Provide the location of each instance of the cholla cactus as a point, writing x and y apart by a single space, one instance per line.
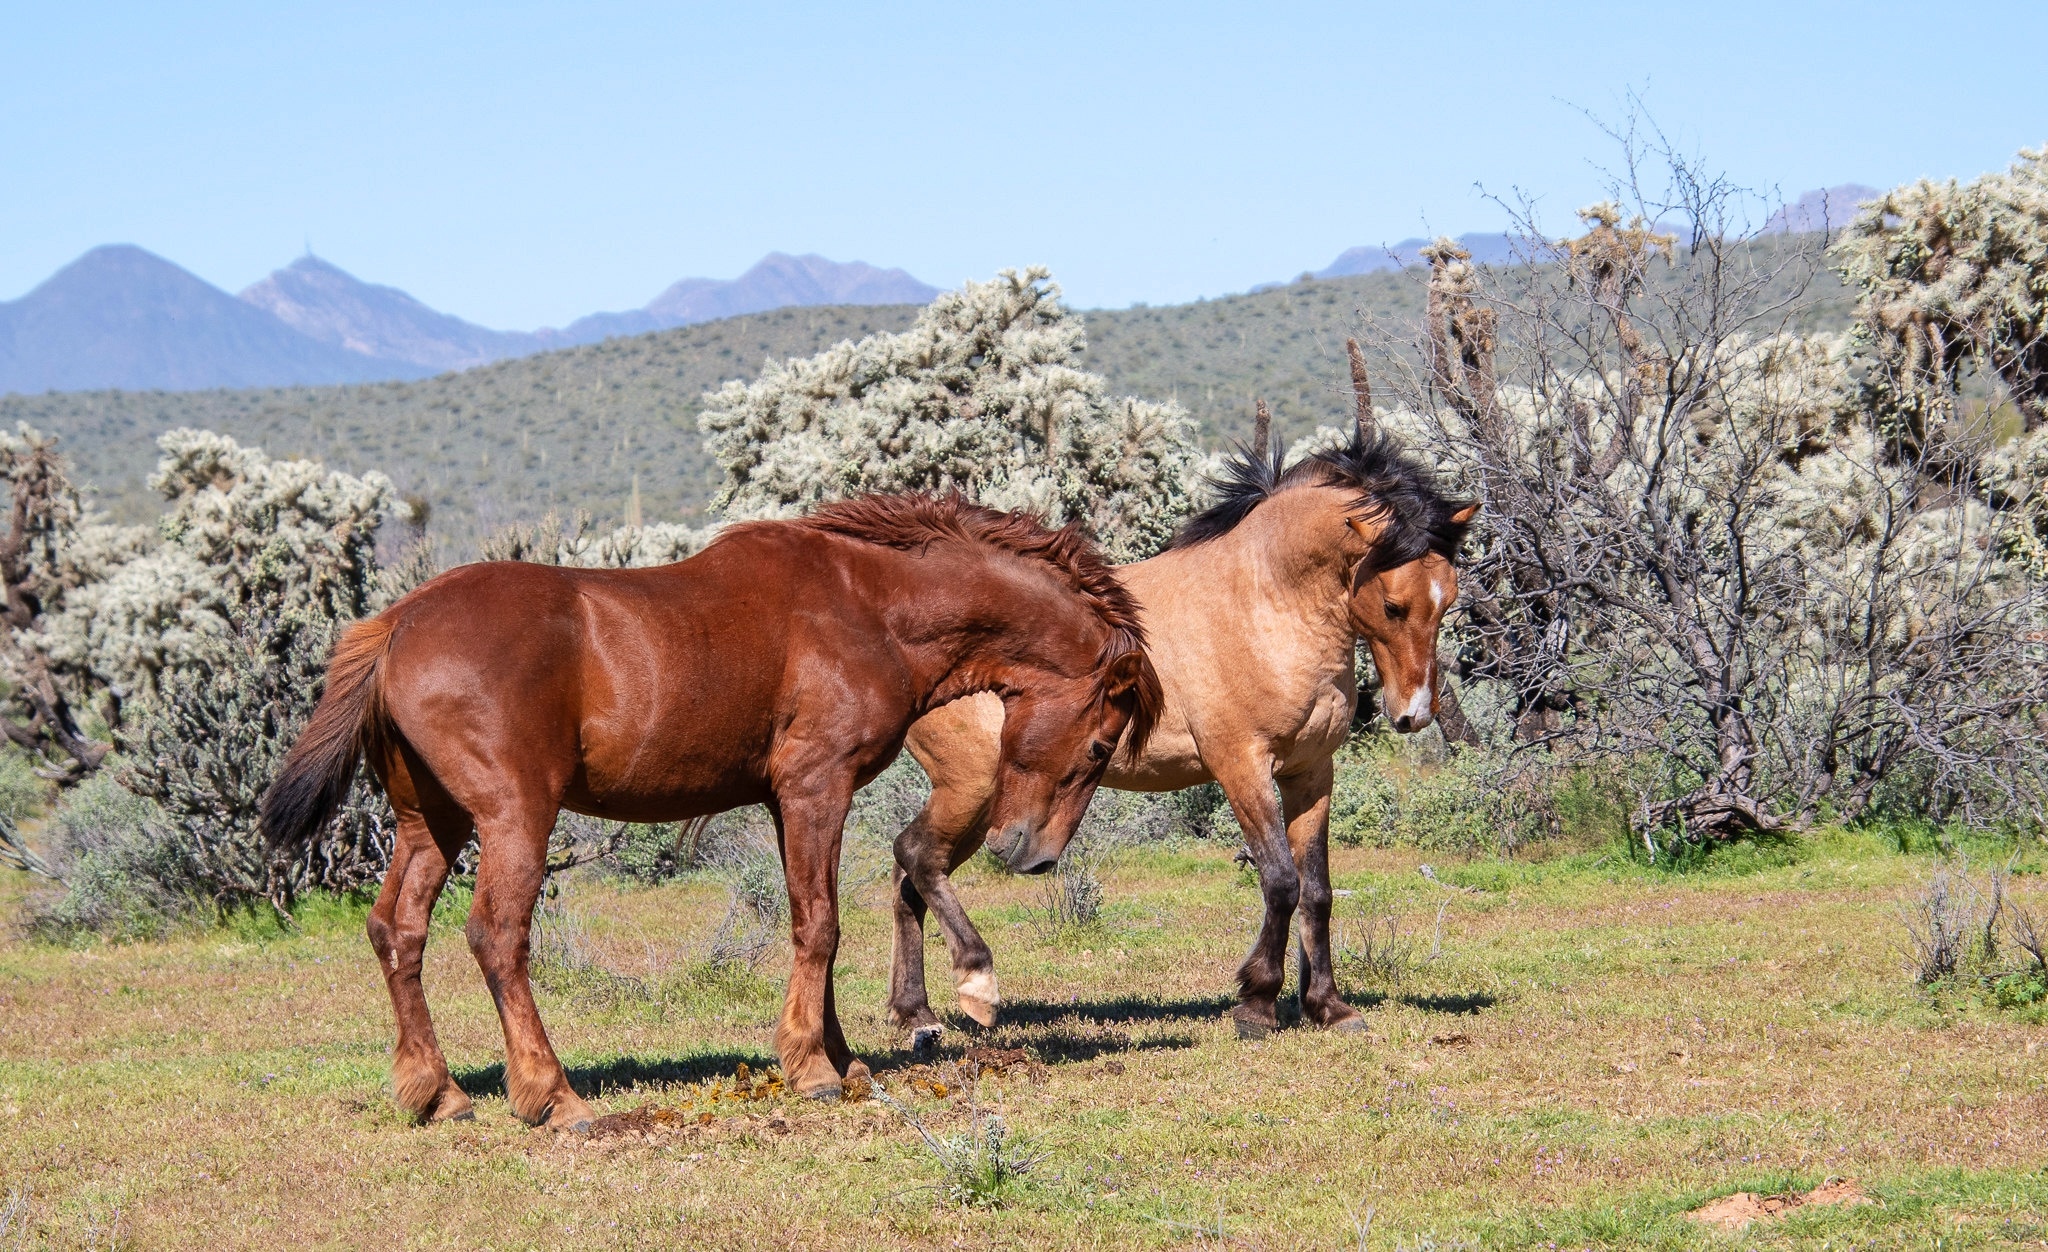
219 634
241 530
555 541
50 549
2016 477
1951 273
980 396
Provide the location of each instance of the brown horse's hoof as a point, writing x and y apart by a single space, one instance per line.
924 1042
449 1104
826 1095
1352 1025
570 1116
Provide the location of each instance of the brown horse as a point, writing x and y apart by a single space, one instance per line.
1253 613
780 666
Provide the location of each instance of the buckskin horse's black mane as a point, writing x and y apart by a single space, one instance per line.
1394 490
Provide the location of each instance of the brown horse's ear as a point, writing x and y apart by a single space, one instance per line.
1465 514
1125 672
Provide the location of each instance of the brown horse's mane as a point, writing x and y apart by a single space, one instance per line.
912 520
1393 488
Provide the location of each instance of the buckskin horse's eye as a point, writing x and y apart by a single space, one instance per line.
1100 750
1395 612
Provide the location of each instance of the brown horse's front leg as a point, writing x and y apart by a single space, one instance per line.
1305 803
808 1038
1248 781
510 870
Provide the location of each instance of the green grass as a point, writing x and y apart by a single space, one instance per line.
1601 1046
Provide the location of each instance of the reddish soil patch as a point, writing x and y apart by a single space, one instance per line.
1734 1212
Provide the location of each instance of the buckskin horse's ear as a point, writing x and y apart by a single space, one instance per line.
1125 673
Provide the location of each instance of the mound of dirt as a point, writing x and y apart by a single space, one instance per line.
1734 1212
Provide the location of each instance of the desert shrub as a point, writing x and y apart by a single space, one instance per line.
1072 894
1941 920
1376 944
982 395
1393 792
128 872
983 1162
746 861
23 792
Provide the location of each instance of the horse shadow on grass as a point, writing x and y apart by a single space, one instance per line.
599 1079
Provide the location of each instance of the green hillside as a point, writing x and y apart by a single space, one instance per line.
574 429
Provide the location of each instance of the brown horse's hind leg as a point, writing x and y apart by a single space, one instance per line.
511 867
398 923
1305 802
1248 782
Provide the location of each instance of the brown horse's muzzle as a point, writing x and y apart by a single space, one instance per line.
1017 845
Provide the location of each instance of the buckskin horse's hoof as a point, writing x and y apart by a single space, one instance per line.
825 1095
924 1042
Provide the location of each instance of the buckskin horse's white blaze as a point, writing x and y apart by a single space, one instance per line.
1419 712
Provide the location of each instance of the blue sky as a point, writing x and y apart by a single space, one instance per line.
521 165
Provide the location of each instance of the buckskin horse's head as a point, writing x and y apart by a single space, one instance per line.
1397 610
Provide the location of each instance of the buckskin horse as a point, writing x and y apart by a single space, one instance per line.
1253 612
781 666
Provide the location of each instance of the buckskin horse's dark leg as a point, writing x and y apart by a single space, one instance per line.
1248 781
910 1006
974 966
1305 803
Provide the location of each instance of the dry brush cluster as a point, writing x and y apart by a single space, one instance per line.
1724 556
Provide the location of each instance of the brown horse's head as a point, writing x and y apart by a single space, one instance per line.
1066 653
1058 738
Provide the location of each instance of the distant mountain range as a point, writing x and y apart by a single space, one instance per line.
123 318
120 317
1829 208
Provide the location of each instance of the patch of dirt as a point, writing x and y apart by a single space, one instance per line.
1457 1040
648 1119
1735 1212
944 1080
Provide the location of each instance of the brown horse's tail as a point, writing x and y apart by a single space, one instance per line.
349 719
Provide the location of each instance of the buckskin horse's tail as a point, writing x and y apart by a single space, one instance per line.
348 720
